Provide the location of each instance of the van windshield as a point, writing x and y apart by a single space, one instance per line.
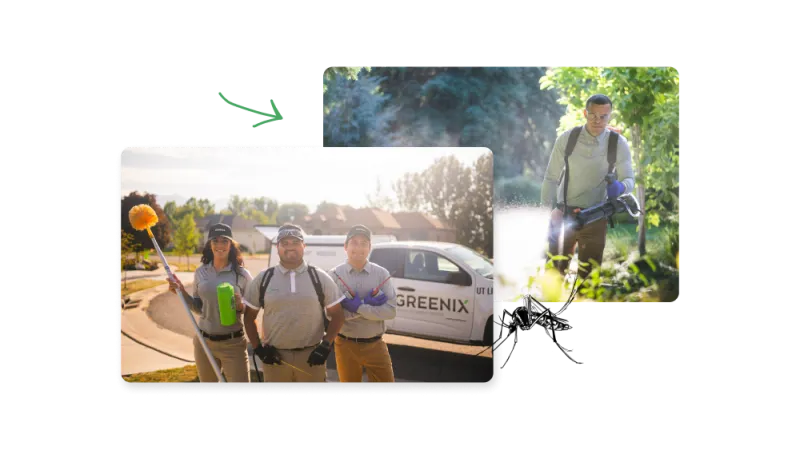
473 259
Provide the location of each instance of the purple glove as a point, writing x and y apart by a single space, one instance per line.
377 300
615 189
351 304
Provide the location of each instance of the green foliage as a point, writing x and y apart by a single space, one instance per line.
197 208
518 190
667 245
458 195
356 112
139 264
129 246
502 109
186 236
626 277
645 101
259 209
289 212
379 198
162 230
350 73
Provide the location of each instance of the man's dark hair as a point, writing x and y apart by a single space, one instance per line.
599 99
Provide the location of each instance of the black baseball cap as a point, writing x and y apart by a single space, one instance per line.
220 229
290 230
359 230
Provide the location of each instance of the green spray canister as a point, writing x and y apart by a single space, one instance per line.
227 307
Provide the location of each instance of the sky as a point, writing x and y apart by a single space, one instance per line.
305 175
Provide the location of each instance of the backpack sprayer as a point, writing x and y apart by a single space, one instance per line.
624 203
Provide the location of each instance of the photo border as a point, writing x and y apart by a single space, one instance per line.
361 391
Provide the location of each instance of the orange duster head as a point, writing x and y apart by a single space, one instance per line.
142 217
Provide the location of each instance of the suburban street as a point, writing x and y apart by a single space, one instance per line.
157 334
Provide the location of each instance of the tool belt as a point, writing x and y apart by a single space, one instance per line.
362 340
222 337
296 349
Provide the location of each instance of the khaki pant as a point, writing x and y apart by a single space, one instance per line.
591 241
374 357
297 358
231 357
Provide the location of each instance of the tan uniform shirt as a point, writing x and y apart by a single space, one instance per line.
368 321
292 313
206 280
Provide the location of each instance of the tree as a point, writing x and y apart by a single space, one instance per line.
205 206
350 73
194 207
460 196
646 110
379 199
186 237
407 191
266 205
437 190
262 210
171 211
162 230
481 210
290 212
129 246
356 113
502 109
238 206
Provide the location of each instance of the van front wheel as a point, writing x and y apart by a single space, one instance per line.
488 332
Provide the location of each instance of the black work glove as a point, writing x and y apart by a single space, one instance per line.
268 355
320 354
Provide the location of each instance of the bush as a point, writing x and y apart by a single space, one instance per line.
618 246
518 190
662 243
141 265
671 244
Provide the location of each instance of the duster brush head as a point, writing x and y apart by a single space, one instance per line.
142 217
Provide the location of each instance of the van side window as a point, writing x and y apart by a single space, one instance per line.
391 259
428 266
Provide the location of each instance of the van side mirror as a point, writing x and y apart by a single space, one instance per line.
459 278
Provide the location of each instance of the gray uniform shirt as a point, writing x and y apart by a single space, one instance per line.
206 280
292 314
588 167
367 321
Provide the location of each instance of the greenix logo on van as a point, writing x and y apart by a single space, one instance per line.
433 303
259 116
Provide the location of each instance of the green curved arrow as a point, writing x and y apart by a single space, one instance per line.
275 115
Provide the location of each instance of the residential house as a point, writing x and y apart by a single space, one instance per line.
244 231
334 219
416 226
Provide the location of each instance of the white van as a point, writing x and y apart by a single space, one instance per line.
444 290
324 251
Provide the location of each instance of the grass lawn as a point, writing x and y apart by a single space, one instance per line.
140 285
181 374
629 229
184 267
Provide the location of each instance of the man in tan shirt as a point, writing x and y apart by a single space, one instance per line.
293 320
367 304
585 181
